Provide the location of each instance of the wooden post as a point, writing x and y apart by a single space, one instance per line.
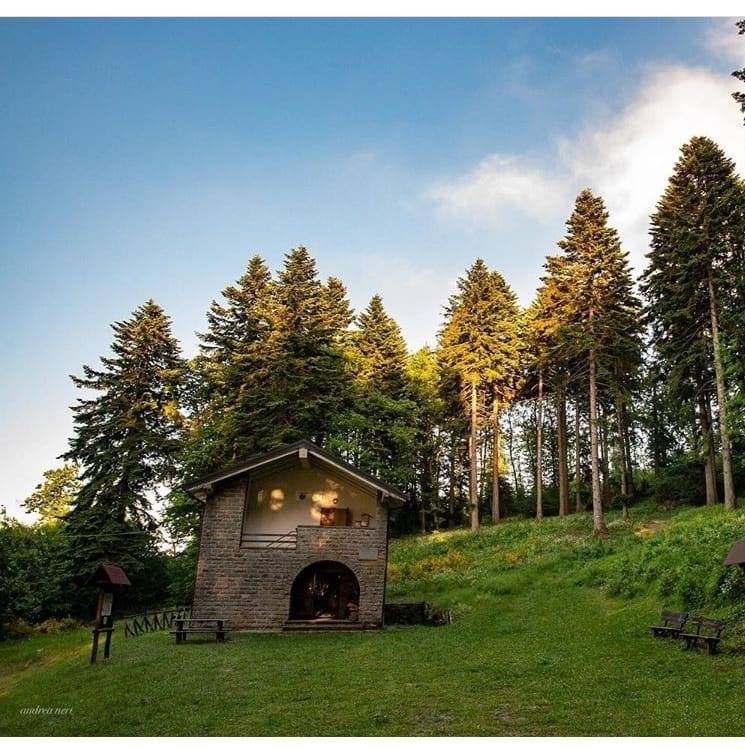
107 577
94 647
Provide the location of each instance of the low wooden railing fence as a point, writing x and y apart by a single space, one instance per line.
152 621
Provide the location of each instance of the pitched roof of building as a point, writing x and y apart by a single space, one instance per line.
285 451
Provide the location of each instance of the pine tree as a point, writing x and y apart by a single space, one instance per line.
547 361
377 432
379 350
127 439
338 312
696 239
595 284
233 370
307 383
478 344
502 375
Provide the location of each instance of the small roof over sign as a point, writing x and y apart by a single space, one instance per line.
110 574
736 553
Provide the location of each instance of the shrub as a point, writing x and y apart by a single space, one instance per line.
35 574
55 626
422 569
679 482
17 629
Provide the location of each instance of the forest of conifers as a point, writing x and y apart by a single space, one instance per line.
604 390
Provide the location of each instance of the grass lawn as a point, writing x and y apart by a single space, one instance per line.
534 650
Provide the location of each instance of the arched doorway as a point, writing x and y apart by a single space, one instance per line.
325 590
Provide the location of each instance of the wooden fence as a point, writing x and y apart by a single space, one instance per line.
152 621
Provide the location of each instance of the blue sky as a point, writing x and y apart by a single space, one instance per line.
151 158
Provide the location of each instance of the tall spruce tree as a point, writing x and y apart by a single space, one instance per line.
377 431
337 310
696 236
233 368
225 389
379 350
307 381
554 360
541 320
126 442
502 376
595 285
478 344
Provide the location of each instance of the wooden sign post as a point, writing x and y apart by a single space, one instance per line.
108 577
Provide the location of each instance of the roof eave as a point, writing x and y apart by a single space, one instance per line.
202 488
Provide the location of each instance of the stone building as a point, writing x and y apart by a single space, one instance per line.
293 539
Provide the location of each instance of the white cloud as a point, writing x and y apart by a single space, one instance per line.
626 159
496 186
629 160
722 39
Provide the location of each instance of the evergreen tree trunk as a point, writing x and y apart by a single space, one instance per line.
577 461
621 455
657 456
529 429
627 450
484 467
539 451
495 508
729 487
561 440
451 481
710 470
473 492
604 469
597 497
622 460
550 441
518 484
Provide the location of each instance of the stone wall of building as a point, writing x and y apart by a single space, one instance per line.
250 587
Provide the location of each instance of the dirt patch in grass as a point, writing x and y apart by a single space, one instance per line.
650 528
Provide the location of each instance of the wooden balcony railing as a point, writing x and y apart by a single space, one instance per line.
270 540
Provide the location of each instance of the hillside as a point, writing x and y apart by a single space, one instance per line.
549 637
672 557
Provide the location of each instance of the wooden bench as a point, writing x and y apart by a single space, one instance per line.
217 627
707 630
672 624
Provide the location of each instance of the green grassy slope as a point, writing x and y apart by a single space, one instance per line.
549 637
